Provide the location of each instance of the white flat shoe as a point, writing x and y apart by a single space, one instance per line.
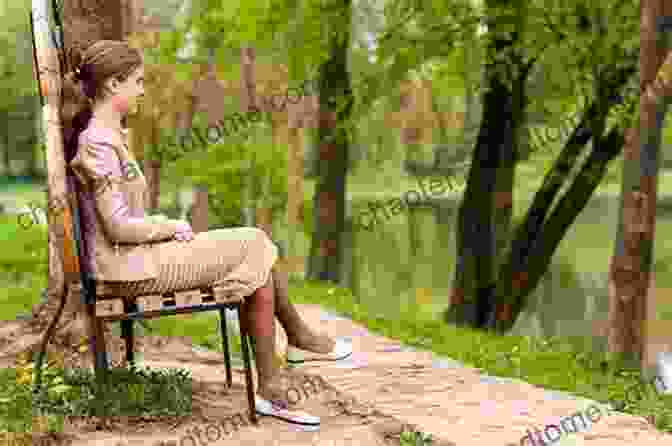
342 350
281 411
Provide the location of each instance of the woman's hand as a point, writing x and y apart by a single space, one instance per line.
184 232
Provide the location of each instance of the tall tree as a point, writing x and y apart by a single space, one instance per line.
488 295
200 210
249 102
295 187
538 236
333 144
84 22
485 211
630 280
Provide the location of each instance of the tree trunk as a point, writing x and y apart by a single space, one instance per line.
473 73
201 208
411 134
329 217
6 151
295 191
487 198
84 22
257 209
295 185
524 277
516 279
248 102
630 272
153 175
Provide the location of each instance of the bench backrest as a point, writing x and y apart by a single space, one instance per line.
48 69
78 256
62 204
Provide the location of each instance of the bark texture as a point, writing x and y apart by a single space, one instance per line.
326 251
630 271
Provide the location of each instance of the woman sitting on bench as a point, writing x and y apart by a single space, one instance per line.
143 255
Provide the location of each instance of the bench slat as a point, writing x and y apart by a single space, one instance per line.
190 297
110 307
150 303
114 306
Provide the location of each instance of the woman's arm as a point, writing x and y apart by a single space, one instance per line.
98 167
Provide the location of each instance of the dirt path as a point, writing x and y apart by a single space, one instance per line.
382 388
457 404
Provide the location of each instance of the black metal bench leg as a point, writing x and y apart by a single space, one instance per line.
98 347
225 346
253 345
127 332
248 367
99 352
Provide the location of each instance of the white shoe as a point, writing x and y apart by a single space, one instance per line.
341 351
283 412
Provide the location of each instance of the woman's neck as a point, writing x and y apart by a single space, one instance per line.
107 117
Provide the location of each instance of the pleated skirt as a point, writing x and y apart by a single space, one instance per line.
237 259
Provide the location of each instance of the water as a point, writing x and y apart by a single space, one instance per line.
410 259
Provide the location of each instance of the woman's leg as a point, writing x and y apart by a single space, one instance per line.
298 333
260 318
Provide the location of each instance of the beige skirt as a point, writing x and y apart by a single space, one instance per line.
237 259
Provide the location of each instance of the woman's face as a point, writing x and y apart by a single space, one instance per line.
130 91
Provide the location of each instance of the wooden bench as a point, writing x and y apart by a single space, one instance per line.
102 306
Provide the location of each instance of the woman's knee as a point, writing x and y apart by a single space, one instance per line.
260 238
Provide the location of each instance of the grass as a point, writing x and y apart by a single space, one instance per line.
75 393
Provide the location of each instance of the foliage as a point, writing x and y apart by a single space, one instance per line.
75 392
128 392
228 167
17 78
417 40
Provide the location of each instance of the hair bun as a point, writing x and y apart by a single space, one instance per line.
76 60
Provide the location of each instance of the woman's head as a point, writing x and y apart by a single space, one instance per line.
107 73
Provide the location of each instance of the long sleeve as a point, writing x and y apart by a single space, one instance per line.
98 166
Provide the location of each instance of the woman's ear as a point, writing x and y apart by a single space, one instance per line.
112 85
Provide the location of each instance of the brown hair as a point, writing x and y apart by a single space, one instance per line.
83 86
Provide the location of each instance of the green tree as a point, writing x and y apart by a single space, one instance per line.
490 288
632 261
